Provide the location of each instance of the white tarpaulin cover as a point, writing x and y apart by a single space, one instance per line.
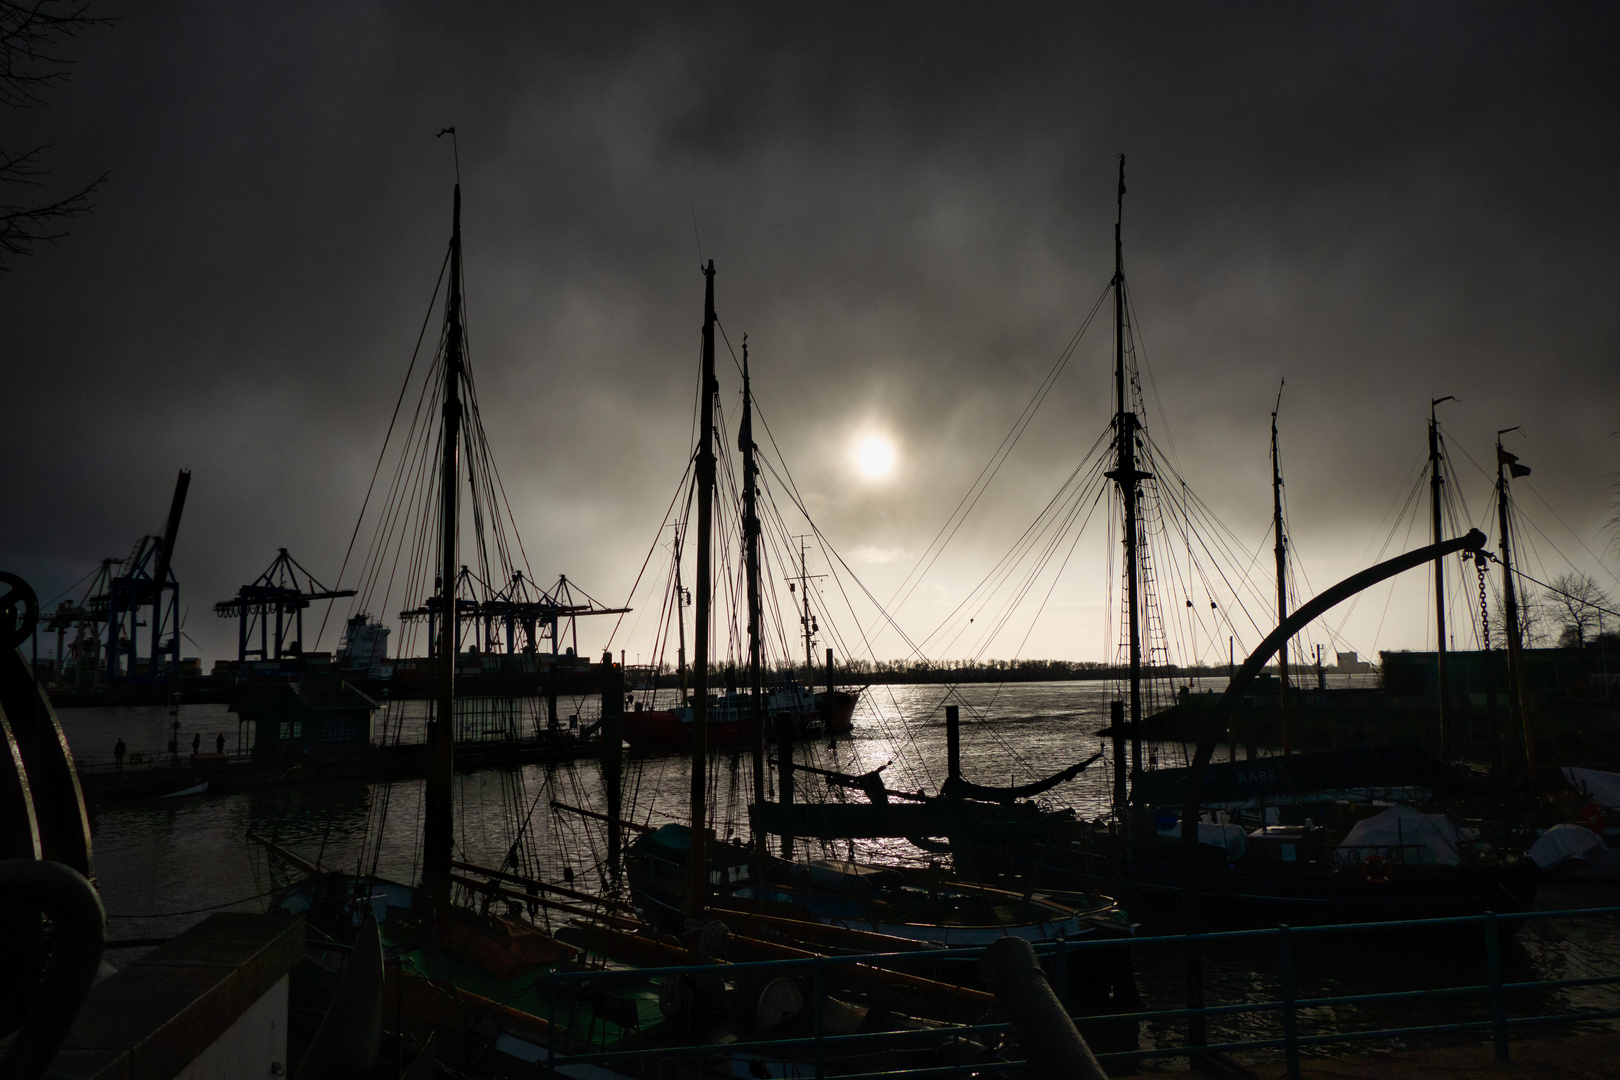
1402 834
1228 836
1565 842
1604 787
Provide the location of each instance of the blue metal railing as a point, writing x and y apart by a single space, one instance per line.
819 1045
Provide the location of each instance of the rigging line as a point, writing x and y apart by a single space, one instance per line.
1453 483
1055 532
397 501
493 481
383 453
1002 451
396 515
1235 592
1226 539
1134 325
1085 469
1409 507
1231 589
1517 572
93 571
394 503
679 488
1059 575
1215 560
1051 525
1389 595
1491 477
791 490
1526 483
194 911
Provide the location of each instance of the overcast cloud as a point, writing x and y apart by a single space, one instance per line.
910 207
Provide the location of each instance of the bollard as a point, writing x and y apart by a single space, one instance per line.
1049 1039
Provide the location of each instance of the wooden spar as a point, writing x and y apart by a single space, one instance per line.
1126 477
750 524
625 823
645 951
438 826
698 881
502 875
1280 549
875 976
556 905
298 862
823 934
1436 530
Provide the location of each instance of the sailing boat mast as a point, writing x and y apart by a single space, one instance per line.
745 440
698 883
1439 578
437 825
680 620
1281 550
1127 477
1506 463
805 619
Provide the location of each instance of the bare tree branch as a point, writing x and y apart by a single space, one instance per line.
33 62
1577 601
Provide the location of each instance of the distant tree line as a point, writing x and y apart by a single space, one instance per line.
867 672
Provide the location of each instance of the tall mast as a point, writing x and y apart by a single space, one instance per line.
437 825
1281 549
1435 481
805 619
1506 463
698 883
745 442
1125 475
680 621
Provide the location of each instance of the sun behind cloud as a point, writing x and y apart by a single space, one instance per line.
875 456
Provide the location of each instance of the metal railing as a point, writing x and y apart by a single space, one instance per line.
818 1047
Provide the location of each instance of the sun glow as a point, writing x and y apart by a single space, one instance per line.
874 456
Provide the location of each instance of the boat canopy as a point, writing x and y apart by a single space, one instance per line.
1403 835
1603 787
1335 773
1566 843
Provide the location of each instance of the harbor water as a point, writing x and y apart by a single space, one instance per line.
164 865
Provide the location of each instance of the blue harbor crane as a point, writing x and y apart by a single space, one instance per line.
274 596
145 580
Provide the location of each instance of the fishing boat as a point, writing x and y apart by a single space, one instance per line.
461 967
729 719
1282 838
681 874
468 948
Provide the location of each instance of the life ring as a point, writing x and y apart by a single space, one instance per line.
1375 870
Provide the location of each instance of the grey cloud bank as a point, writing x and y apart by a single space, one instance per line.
910 208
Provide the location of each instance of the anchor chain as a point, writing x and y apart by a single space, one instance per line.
1484 609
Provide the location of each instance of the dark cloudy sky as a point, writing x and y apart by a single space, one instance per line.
910 207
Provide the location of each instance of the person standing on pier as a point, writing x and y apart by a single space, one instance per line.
119 750
219 743
196 744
